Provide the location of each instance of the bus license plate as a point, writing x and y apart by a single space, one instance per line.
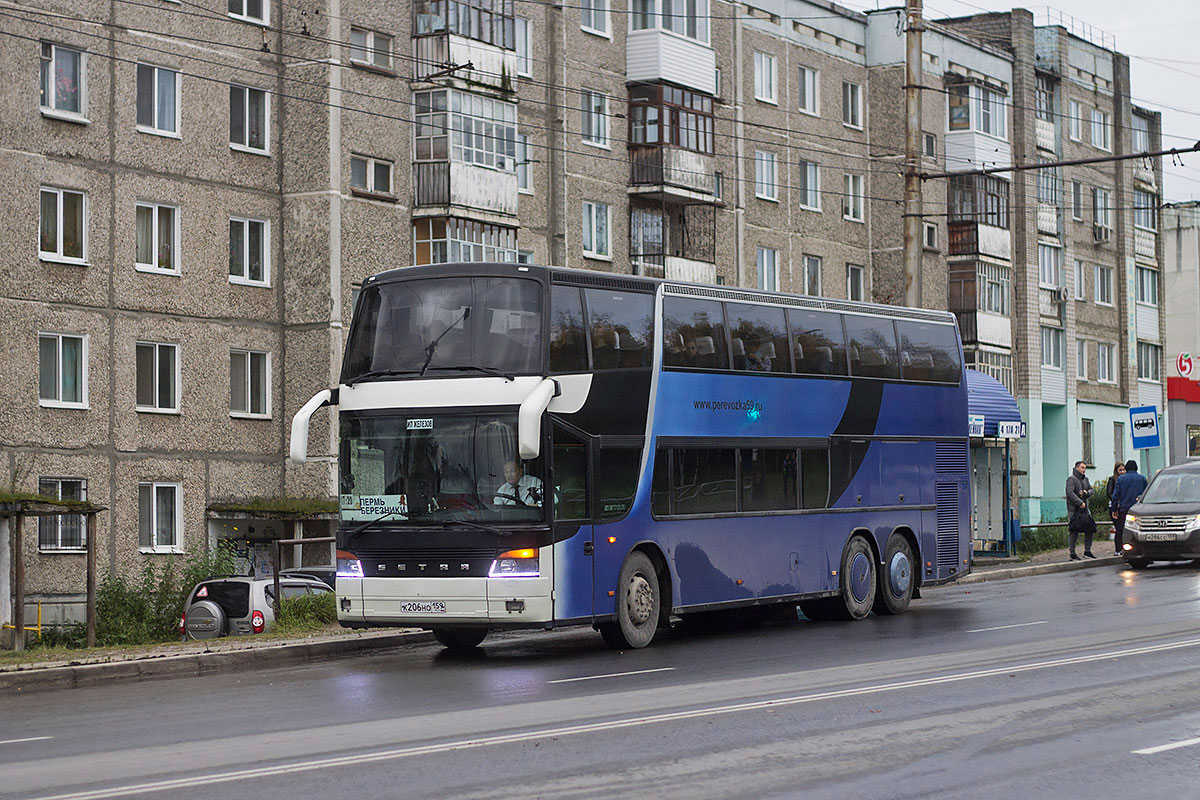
1159 537
432 607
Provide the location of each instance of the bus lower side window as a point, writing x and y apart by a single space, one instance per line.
768 479
704 481
617 477
814 478
660 487
570 477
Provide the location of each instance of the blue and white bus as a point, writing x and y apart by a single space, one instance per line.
526 446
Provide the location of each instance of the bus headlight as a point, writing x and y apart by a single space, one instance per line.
515 564
348 565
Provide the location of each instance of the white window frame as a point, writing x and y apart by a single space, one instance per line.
852 208
592 7
766 187
244 16
1080 280
244 147
48 87
1145 204
154 242
767 263
56 520
522 27
370 48
1081 360
1139 141
764 78
175 388
591 214
1102 125
177 522
1075 121
244 279
1077 201
1053 344
1102 208
155 129
371 163
1105 359
926 139
56 401
1102 285
852 112
809 188
930 242
593 123
58 257
815 264
1054 281
809 82
1141 286
247 413
716 83
524 167
856 279
1153 366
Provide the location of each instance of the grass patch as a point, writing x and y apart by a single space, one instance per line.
305 614
300 506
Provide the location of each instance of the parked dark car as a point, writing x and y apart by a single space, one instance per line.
1164 525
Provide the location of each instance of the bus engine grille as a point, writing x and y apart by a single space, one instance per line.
947 525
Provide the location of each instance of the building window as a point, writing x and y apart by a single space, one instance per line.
62 229
1118 441
64 81
854 282
810 275
1147 286
662 114
371 48
1141 134
524 256
930 235
370 175
1077 201
1080 287
684 17
718 186
160 517
764 175
852 106
995 287
156 238
1052 347
1102 213
998 365
596 225
808 184
593 16
249 119
1075 120
479 130
62 370
647 231
1050 266
1105 358
977 108
249 251
764 77
810 99
1085 438
524 62
157 100
157 377
768 269
488 21
442 240
249 383
594 119
64 531
1102 291
1048 181
929 144
716 83
1101 130
1081 360
1149 362
979 198
1193 441
1145 210
524 176
1044 98
852 200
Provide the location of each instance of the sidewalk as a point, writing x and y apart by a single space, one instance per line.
1048 561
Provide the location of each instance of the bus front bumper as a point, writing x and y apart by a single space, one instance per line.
436 602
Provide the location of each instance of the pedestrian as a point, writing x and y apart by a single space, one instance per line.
1110 486
1126 491
1079 489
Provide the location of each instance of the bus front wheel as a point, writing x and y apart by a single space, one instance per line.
638 604
459 640
858 586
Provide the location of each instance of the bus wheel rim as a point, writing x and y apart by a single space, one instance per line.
860 572
899 574
640 600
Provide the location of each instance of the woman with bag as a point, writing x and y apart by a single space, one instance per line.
1079 488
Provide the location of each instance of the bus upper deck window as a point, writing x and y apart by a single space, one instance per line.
568 348
621 325
694 334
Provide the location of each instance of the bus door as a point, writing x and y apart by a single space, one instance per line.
573 547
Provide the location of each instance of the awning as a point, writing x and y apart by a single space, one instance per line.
988 397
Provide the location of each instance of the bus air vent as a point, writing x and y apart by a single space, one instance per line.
950 458
947 525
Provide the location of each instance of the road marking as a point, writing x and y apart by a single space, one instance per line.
1149 751
595 727
1002 627
26 739
612 675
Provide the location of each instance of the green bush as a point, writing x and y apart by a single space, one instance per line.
1098 503
306 613
73 634
1041 539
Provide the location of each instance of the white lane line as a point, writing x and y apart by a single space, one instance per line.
1002 627
1149 751
594 727
612 675
26 739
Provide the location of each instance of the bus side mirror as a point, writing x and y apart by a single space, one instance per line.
299 444
529 418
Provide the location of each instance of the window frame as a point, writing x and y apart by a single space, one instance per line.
589 7
372 50
177 523
762 263
1080 280
1057 282
856 278
928 242
57 402
52 111
244 16
58 257
809 188
853 198
1145 364
250 353
857 112
371 191
807 261
1075 121
522 27
1148 291
1145 204
1106 358
244 279
1106 272
1053 344
809 78
488 241
265 150
590 217
1081 351
764 63
57 519
1104 120
763 158
593 124
524 166
1077 201
175 379
1139 129
154 130
155 244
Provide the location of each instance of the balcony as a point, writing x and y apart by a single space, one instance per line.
671 173
658 55
1145 245
1144 175
493 66
445 184
967 238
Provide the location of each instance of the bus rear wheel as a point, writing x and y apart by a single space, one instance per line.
858 586
459 640
639 601
895 578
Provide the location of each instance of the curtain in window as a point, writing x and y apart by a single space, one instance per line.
72 370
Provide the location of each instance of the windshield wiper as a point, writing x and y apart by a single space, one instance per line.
354 532
379 373
488 528
432 346
477 368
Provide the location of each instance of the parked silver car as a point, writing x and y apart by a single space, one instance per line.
239 606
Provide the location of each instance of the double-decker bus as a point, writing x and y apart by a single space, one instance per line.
525 446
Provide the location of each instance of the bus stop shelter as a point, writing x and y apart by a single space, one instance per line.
995 419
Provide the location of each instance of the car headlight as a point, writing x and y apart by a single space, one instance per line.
515 564
1194 522
348 565
1132 524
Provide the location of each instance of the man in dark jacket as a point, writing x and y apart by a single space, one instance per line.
1079 488
1127 491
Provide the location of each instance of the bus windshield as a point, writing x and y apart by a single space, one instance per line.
458 324
424 468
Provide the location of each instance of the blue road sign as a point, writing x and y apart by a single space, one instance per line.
1143 426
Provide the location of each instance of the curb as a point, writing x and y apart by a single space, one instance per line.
1040 569
190 664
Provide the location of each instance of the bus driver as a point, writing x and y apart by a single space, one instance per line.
518 488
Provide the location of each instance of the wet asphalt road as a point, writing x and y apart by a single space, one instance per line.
1038 687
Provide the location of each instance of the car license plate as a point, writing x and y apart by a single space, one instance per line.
431 607
1159 537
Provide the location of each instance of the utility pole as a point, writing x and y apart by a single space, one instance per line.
912 154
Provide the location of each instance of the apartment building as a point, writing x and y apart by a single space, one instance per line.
197 191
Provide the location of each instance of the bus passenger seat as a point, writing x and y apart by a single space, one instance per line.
705 352
739 353
604 348
823 356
